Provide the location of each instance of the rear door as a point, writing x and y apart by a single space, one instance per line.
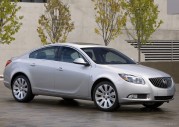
42 68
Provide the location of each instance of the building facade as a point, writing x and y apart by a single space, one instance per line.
172 6
164 46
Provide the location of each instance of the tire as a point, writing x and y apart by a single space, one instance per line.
153 105
21 89
105 96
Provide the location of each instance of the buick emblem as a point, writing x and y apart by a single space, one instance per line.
164 81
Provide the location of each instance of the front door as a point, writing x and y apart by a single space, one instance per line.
72 79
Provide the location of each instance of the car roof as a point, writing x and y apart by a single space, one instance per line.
77 44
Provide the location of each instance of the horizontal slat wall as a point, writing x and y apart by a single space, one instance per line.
159 50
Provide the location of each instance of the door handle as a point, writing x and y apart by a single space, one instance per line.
33 64
60 69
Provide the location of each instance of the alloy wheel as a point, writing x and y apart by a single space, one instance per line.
105 96
20 88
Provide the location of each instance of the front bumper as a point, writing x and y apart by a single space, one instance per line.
135 93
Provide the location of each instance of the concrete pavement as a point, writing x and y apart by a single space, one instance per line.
55 112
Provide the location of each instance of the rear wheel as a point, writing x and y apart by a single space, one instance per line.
21 89
153 105
105 96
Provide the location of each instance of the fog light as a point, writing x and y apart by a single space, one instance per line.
133 96
130 96
148 96
138 96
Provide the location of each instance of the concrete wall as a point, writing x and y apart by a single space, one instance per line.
83 17
171 68
27 37
173 7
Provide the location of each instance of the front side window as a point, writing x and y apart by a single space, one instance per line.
107 56
49 53
69 55
90 53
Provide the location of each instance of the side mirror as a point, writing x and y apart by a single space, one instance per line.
81 61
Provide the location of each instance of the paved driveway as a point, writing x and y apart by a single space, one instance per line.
55 112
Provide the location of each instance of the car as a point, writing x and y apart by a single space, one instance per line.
87 71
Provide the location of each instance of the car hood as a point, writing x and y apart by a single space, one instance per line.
137 70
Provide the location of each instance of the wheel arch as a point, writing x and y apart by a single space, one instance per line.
98 81
17 74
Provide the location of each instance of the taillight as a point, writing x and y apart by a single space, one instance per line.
8 62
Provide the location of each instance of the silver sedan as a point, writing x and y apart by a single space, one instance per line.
91 72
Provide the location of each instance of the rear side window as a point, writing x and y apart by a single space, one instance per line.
49 53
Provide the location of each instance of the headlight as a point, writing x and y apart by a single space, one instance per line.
132 79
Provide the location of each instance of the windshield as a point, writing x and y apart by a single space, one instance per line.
107 56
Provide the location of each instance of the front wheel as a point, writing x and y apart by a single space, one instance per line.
153 105
105 96
21 89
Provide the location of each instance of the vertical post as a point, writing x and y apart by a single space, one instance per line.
139 46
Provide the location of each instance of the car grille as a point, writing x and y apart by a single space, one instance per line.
164 82
163 97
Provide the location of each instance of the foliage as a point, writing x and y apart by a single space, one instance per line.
9 21
110 18
55 24
143 15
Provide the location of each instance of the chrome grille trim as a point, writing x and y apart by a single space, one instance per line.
163 82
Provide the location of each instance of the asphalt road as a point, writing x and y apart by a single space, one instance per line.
55 112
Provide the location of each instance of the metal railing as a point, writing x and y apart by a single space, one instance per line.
159 50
